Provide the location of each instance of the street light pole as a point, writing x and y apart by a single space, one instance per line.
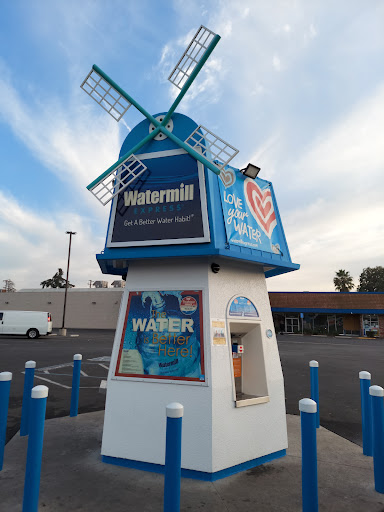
63 331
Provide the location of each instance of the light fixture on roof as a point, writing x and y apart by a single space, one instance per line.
251 171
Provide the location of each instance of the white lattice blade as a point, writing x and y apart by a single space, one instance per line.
117 180
191 57
105 95
212 146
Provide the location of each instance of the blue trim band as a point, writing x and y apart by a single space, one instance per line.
190 473
334 293
329 310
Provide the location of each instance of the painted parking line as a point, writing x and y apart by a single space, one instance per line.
52 382
91 364
54 367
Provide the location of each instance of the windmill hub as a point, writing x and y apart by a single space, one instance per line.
161 135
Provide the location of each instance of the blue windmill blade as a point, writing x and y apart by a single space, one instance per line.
111 183
192 56
109 98
190 64
211 146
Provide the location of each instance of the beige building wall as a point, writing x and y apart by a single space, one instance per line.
87 308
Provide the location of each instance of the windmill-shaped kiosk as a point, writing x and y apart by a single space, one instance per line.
195 239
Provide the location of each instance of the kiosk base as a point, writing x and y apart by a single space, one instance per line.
223 432
195 475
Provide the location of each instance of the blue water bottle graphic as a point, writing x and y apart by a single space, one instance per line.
169 351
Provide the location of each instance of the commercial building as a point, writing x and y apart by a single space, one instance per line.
351 313
87 308
293 312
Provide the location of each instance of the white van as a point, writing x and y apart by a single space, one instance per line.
29 323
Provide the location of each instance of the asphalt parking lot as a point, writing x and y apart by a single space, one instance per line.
340 360
54 355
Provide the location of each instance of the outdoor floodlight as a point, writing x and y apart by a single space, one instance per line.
251 171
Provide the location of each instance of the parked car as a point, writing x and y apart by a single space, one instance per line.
29 323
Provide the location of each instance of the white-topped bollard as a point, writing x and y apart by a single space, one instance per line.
38 406
29 376
308 409
172 474
377 403
75 384
5 387
314 376
366 412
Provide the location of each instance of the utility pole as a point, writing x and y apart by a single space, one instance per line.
63 330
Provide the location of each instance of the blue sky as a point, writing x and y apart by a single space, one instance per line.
297 86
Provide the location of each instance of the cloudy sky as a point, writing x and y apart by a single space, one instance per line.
297 86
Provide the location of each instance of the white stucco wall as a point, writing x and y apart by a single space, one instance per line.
135 418
242 434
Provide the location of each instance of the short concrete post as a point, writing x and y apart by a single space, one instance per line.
308 410
28 385
314 371
5 387
377 393
35 448
75 384
366 412
173 458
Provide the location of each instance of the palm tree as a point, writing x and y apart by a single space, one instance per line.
343 281
57 281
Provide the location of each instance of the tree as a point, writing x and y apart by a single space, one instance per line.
57 281
343 281
371 280
9 286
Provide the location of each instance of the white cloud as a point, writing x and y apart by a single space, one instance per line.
34 245
312 31
335 218
70 140
349 151
276 62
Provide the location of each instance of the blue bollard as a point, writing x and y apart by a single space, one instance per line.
28 385
35 448
366 412
308 410
75 384
377 403
314 371
172 475
5 387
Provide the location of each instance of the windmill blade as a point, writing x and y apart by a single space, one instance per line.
108 186
211 146
105 95
191 57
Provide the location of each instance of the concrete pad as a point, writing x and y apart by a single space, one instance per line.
74 478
